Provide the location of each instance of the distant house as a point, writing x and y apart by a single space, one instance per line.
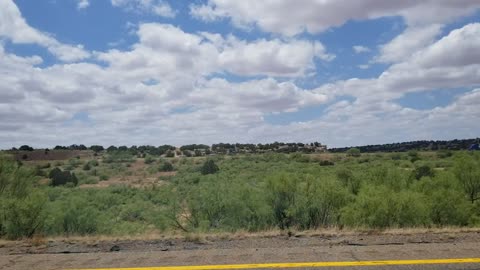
474 147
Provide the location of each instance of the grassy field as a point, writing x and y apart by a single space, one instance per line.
118 194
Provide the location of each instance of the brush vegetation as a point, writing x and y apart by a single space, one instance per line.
251 193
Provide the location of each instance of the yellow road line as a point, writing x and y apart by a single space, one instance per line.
301 264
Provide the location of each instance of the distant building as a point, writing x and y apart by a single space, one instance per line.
474 147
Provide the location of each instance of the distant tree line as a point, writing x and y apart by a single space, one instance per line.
414 145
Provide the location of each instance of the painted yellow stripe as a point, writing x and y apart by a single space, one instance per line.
301 264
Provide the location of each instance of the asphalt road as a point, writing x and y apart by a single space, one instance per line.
274 257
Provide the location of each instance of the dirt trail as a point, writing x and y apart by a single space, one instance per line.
67 254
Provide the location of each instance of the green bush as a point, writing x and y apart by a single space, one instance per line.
326 163
149 160
353 152
423 171
166 167
209 167
60 177
380 207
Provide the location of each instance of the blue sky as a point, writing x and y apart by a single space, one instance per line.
139 72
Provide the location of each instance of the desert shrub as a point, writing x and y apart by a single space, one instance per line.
444 154
351 182
318 203
22 217
298 157
326 163
467 171
60 177
170 154
353 152
209 167
381 207
86 167
423 171
281 198
166 167
21 206
93 163
149 160
396 156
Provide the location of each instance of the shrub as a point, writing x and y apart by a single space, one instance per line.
209 167
60 178
326 163
170 154
149 160
166 167
22 217
349 181
353 152
318 203
86 167
423 171
380 207
281 197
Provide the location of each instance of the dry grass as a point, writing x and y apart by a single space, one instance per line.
203 238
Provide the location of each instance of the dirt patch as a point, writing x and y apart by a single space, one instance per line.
206 242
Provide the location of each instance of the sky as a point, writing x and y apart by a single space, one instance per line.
153 72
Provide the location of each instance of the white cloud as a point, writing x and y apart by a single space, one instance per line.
360 49
158 7
14 27
188 103
272 57
82 4
164 49
316 16
407 43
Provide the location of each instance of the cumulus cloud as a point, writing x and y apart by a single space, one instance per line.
293 17
82 4
360 49
164 49
171 85
409 42
158 7
14 27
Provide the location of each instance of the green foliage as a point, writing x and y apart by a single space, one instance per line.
209 167
467 171
22 217
251 192
318 203
149 160
166 167
281 197
349 181
381 207
21 207
326 163
60 177
353 152
423 171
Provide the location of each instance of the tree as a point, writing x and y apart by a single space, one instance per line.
467 172
60 178
26 148
209 167
96 148
353 152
